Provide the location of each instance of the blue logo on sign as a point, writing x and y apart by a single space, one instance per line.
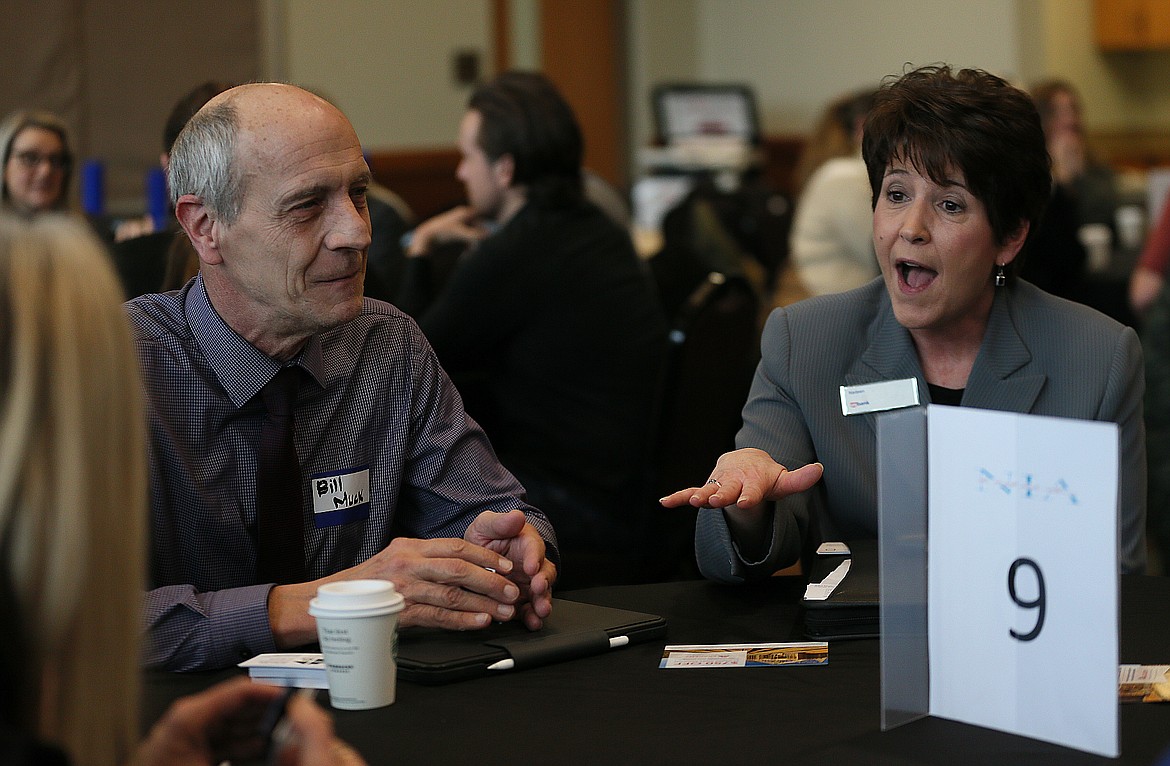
1027 487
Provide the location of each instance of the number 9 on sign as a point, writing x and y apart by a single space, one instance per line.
1037 603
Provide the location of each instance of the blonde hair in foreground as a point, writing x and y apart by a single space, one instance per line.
72 485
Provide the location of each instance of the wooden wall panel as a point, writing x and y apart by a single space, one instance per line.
424 178
1131 149
582 50
114 68
780 155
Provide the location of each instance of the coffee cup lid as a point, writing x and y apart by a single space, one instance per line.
356 598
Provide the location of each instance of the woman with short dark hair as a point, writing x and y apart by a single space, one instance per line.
960 175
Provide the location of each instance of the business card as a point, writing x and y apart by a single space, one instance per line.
288 669
1144 683
745 655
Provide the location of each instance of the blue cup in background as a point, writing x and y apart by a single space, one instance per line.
157 202
93 187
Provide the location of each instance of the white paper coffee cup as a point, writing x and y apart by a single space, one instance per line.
357 625
1130 221
1097 240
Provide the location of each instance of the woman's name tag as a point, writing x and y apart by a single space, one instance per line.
878 397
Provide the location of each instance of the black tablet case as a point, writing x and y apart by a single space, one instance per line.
851 611
574 629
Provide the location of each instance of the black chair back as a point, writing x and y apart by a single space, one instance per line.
714 347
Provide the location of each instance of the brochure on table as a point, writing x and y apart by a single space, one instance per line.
998 557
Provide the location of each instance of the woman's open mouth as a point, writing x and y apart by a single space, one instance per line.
914 276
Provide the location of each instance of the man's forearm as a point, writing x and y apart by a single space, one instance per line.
188 630
288 615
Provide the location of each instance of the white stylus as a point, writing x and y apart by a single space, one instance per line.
509 663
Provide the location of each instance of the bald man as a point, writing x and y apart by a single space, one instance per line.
395 482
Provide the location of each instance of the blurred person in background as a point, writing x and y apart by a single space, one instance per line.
548 324
38 163
1091 183
831 243
73 531
1082 204
1148 279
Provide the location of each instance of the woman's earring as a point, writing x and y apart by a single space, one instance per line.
1000 277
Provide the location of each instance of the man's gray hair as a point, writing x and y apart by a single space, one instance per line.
203 162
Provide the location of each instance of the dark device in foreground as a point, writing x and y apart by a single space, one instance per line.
852 610
574 629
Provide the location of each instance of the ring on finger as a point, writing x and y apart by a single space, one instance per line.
715 482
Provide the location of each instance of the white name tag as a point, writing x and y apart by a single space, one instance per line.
878 397
340 496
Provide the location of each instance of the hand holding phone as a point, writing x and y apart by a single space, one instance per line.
298 734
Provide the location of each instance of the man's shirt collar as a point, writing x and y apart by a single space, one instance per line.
242 369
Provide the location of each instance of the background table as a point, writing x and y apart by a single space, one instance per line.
619 707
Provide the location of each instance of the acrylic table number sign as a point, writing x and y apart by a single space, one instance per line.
1005 540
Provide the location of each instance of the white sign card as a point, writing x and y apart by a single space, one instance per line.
1022 576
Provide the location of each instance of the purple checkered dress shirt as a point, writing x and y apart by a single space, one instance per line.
374 398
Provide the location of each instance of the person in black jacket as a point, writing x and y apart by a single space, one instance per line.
548 324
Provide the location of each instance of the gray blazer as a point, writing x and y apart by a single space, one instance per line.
1041 355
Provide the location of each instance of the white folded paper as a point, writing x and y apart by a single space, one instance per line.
819 591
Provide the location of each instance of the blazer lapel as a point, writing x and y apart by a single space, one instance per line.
889 356
999 380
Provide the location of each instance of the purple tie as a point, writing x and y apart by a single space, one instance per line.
280 534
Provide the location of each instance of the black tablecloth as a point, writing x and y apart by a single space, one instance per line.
621 708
